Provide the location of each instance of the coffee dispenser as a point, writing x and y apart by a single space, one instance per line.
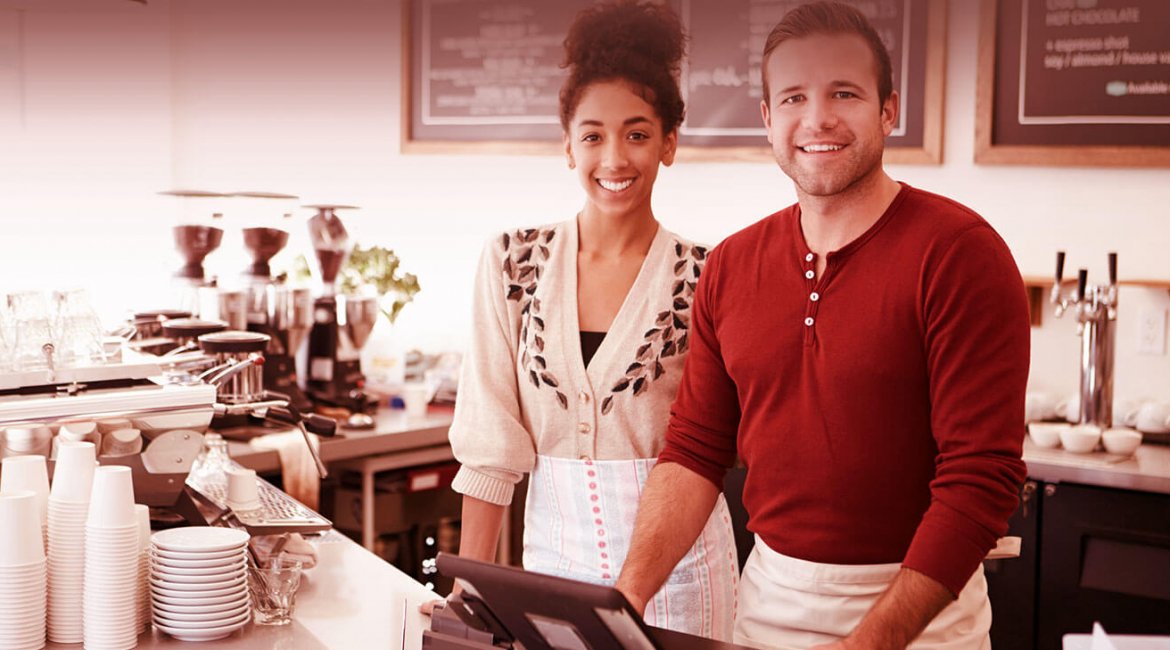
1096 312
197 234
281 312
341 324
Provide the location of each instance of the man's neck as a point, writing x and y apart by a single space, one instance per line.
829 223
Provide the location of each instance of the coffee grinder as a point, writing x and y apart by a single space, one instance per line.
341 324
281 312
197 234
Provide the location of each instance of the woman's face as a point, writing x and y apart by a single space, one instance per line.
615 143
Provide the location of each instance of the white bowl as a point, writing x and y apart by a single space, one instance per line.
1121 441
1081 439
1046 434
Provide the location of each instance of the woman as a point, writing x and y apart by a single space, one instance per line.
580 335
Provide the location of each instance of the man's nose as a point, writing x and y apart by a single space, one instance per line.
820 115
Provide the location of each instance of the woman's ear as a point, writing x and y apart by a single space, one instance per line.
669 148
569 152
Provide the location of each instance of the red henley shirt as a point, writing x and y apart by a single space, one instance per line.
879 408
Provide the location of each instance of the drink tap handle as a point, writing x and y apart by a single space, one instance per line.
1082 283
1054 296
1059 267
1112 269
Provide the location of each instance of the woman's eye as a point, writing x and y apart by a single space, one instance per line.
590 137
638 135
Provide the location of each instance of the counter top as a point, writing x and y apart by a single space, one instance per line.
1148 470
393 432
351 599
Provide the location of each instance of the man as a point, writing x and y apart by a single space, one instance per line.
866 352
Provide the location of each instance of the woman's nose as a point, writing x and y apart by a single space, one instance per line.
615 156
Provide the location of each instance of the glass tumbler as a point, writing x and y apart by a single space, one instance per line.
274 590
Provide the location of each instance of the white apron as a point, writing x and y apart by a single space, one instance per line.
578 523
791 603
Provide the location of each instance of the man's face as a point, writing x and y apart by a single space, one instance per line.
824 119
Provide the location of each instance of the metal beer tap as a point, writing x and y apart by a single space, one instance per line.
1096 312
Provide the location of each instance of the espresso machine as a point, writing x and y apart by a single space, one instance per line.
1096 312
282 313
341 324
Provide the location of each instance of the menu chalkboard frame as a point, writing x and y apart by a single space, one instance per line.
931 88
988 151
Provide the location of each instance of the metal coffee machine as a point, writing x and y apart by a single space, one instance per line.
341 324
1096 312
283 313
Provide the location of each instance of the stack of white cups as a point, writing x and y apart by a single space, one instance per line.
109 603
142 516
68 509
29 473
22 573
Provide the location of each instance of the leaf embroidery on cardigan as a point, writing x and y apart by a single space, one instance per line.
522 269
668 336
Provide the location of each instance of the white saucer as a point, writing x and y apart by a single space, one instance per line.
201 562
227 620
195 539
194 555
202 601
198 586
210 616
213 578
230 567
202 634
210 593
219 610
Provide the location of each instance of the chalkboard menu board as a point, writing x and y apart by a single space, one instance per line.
1077 82
485 74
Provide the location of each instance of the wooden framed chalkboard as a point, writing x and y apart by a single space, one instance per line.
1074 82
484 75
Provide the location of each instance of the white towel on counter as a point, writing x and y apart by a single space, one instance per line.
297 469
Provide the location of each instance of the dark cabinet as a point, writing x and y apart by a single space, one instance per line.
1089 554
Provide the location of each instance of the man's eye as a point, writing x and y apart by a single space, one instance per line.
843 94
793 99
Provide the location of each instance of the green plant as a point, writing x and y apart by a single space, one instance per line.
376 268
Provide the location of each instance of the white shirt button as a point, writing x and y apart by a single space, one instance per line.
810 274
814 296
808 321
808 258
584 427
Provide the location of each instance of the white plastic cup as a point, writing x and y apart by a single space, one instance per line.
415 397
73 476
242 493
112 502
19 441
20 534
122 442
28 473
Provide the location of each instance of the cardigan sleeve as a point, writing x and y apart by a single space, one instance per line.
487 435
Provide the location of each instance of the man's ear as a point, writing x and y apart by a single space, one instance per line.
767 116
890 110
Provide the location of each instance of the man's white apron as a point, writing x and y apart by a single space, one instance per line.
791 603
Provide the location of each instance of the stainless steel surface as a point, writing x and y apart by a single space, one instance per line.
292 311
1096 312
357 316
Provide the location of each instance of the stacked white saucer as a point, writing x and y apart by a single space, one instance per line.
198 582
109 607
68 509
23 580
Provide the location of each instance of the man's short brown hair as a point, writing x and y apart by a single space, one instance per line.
830 18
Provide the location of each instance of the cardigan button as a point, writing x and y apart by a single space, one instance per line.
584 396
584 427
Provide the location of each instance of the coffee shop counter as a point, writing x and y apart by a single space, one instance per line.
1148 470
393 433
351 599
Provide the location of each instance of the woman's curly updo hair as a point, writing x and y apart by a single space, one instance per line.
632 40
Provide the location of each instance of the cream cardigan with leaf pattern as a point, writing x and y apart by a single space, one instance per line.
525 390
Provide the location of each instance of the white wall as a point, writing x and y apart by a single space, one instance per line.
304 97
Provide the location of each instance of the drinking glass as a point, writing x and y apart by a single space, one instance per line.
274 590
